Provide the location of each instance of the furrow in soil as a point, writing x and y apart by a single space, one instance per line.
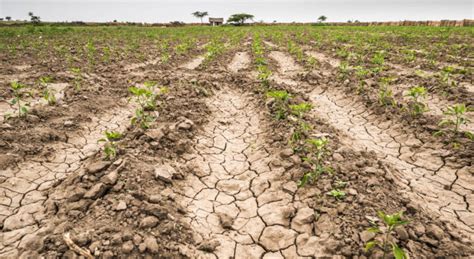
235 196
22 188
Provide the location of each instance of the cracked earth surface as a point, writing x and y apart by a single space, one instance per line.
23 187
434 180
236 196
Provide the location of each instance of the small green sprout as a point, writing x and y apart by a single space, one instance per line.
455 118
337 194
49 96
417 106
391 222
281 98
19 93
110 146
317 151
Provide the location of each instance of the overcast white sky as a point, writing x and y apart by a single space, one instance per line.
267 10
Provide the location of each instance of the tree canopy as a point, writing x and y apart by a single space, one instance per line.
200 15
239 18
322 18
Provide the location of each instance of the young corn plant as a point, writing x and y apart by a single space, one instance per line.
18 94
281 98
391 222
299 110
317 152
417 107
455 117
110 146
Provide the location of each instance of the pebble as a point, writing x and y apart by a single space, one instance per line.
127 247
122 205
366 236
151 244
149 222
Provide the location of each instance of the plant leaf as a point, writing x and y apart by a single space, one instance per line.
398 253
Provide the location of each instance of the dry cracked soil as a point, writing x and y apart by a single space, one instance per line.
215 178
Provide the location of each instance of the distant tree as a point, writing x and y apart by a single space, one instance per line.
115 21
322 18
33 18
200 15
357 21
1 19
8 18
239 18
349 21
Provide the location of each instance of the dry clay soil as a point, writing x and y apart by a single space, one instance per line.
216 179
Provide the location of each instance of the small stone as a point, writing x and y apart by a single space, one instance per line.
429 241
352 191
290 187
122 205
275 238
303 220
285 153
419 229
68 123
155 198
226 220
127 247
185 125
435 231
338 157
96 167
295 159
209 246
110 178
371 170
366 236
96 191
402 233
106 254
372 182
155 134
76 194
137 239
165 173
149 222
151 244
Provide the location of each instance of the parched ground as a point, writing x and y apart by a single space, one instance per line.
215 175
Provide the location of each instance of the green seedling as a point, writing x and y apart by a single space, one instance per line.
417 106
49 96
146 98
317 152
299 110
446 74
455 117
337 194
281 98
18 94
77 81
385 92
110 146
391 222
